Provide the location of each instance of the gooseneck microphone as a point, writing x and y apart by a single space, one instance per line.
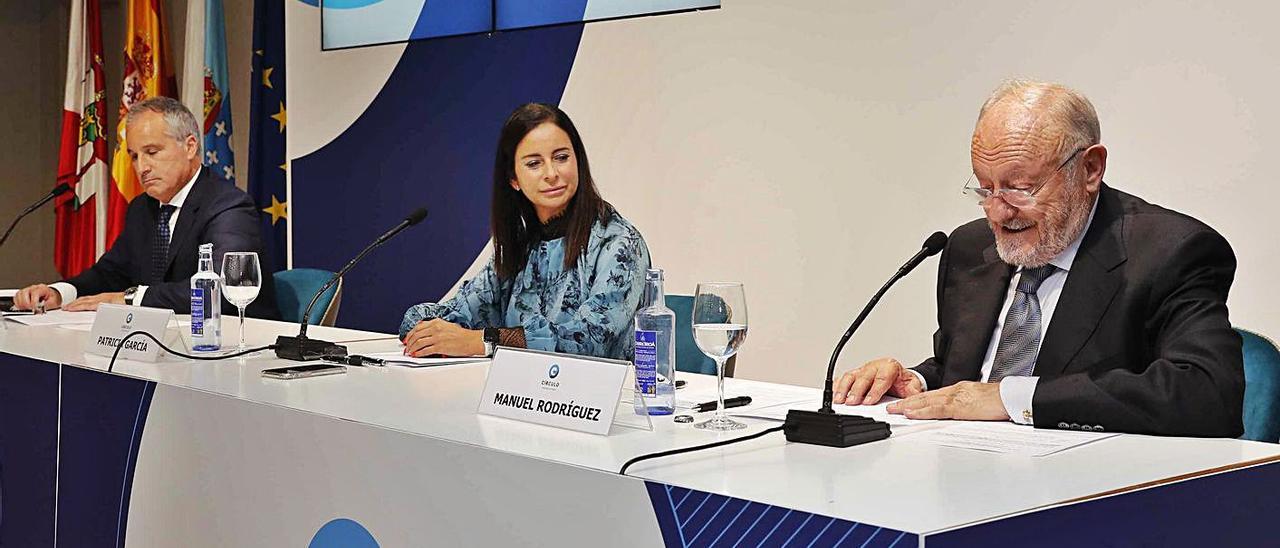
59 190
825 426
301 348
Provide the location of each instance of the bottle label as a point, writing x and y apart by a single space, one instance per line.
647 362
197 312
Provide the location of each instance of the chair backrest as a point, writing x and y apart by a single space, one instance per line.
1261 388
294 289
688 357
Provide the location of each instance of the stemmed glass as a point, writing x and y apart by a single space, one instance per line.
719 328
241 281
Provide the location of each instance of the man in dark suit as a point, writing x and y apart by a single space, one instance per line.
153 259
1071 305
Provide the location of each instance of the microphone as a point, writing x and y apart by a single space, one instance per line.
825 426
300 348
59 190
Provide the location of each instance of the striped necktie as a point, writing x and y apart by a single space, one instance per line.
160 245
1020 336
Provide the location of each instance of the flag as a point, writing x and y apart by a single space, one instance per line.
267 164
82 156
206 89
147 73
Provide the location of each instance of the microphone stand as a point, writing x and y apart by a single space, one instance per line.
57 191
825 426
302 348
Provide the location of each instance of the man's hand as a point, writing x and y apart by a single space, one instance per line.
440 337
974 401
38 298
92 301
867 384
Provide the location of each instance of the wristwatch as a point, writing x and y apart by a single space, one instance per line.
490 341
129 294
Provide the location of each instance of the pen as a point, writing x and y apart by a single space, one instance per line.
371 361
355 359
729 403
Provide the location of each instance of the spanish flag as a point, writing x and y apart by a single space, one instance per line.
147 73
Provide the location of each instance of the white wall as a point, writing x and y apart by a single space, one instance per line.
808 148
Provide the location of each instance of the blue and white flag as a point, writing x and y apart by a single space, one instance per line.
206 90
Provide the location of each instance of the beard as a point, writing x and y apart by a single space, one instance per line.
1062 223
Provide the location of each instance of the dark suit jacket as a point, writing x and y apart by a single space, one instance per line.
1140 341
214 211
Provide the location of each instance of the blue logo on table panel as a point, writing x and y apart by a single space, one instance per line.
554 371
343 533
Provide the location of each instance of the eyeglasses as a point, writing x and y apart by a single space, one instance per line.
1015 197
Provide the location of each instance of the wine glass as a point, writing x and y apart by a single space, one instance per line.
241 281
719 328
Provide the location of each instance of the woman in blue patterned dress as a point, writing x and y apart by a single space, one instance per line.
567 272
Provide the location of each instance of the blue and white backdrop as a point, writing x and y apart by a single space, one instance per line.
804 148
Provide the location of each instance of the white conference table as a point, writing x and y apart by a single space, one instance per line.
402 453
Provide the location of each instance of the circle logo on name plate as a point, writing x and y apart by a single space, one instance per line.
343 533
129 318
554 371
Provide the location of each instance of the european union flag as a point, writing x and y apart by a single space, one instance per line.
267 163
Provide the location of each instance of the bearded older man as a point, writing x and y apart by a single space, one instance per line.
1072 305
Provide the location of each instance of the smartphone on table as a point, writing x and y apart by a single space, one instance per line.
304 371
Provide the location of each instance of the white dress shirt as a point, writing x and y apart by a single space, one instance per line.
69 292
1016 392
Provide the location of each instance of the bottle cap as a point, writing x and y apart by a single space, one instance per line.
653 274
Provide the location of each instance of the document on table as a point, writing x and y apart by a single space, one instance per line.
1007 438
56 317
762 394
398 358
877 411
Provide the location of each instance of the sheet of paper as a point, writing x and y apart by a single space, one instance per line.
55 317
762 394
1008 438
877 411
398 358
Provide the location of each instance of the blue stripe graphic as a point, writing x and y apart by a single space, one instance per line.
130 460
846 535
713 517
751 524
824 530
798 529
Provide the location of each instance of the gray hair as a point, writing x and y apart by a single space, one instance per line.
179 122
1066 108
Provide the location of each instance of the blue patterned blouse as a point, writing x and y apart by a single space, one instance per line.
586 310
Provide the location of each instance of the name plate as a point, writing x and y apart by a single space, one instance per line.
115 321
561 390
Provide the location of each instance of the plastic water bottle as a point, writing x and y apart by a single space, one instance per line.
206 304
655 356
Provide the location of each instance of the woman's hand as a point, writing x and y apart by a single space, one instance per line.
438 337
